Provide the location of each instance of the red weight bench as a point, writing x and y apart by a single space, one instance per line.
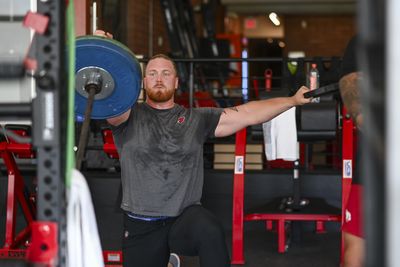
16 243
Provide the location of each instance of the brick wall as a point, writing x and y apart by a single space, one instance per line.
138 31
318 35
315 35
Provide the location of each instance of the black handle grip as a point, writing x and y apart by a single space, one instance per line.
323 90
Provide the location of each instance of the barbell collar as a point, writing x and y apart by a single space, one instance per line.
96 76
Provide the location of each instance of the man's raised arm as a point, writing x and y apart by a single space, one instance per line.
115 121
255 112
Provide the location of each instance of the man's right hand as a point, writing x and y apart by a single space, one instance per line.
103 34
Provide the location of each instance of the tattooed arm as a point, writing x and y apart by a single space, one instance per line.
256 112
351 96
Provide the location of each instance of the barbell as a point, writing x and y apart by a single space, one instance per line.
107 83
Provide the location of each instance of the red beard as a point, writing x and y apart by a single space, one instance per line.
160 95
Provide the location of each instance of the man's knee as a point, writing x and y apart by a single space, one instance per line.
207 228
212 231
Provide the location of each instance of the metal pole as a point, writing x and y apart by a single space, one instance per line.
393 130
191 85
84 135
371 22
151 28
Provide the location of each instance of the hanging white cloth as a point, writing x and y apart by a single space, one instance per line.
84 248
280 137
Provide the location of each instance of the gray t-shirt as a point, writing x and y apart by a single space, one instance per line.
161 156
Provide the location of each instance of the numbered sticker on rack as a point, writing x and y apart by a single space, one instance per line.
347 169
239 164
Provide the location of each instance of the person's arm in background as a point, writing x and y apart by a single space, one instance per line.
115 121
350 93
255 112
349 82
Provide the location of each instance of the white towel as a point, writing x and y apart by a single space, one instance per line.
280 137
84 248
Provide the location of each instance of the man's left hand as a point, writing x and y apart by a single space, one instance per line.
299 98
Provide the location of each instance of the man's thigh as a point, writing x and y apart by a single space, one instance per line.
145 243
191 228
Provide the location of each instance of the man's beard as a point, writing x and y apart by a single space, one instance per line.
160 95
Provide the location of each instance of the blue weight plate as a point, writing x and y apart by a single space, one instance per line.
120 63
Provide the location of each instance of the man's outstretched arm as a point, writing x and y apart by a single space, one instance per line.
255 112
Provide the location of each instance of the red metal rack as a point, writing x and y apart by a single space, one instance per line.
280 218
109 145
15 244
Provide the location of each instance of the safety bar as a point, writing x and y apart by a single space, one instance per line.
12 111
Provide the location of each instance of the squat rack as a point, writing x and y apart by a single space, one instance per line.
47 112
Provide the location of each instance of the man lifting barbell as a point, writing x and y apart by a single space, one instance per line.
160 145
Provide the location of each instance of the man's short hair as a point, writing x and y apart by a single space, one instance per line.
166 58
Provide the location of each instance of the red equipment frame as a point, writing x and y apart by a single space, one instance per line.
15 194
238 217
109 145
348 148
235 40
36 235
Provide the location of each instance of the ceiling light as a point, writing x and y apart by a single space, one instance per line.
274 18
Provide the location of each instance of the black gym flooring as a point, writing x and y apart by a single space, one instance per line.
306 248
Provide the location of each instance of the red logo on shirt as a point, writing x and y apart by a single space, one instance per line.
181 119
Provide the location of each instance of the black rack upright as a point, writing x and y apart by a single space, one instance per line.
49 121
